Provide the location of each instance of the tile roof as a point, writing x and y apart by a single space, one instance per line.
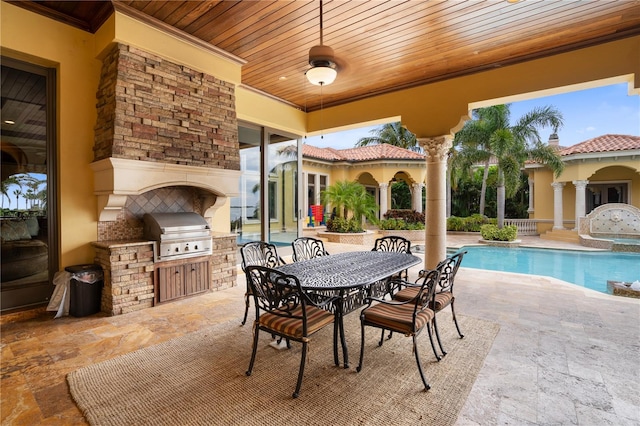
364 153
604 143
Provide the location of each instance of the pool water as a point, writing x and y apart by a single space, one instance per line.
586 268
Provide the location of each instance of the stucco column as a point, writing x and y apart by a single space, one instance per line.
416 201
384 196
530 209
581 205
436 150
557 205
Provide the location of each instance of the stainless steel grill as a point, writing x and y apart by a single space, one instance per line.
177 235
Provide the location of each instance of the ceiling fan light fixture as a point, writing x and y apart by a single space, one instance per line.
323 69
322 74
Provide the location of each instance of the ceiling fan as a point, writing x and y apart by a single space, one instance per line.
323 69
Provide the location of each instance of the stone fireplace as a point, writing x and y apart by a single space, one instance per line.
166 140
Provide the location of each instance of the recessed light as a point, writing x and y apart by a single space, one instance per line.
9 122
282 78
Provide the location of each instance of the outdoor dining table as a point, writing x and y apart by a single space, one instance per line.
346 272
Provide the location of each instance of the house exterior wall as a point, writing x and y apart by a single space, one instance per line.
603 170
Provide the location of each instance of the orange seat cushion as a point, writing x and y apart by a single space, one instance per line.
397 318
441 300
291 326
407 293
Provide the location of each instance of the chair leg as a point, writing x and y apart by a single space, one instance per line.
246 308
415 351
455 321
382 337
255 348
359 367
435 327
336 358
296 393
433 346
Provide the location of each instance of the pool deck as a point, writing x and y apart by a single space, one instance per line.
563 355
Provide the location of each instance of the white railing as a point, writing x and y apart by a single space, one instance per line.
525 226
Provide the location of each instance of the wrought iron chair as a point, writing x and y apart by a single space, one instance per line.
305 248
257 253
444 297
284 309
408 317
396 244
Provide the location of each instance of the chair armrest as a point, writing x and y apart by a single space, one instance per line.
322 301
369 300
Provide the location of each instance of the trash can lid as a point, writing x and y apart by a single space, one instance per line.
75 269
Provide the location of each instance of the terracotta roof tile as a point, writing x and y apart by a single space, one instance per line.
604 143
364 153
320 153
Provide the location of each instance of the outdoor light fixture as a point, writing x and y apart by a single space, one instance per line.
323 67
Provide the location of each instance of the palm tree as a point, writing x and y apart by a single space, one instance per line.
17 193
490 136
392 134
337 195
5 188
348 197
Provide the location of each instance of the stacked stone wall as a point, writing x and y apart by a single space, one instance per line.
151 109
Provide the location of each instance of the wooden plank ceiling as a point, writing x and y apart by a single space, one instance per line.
380 46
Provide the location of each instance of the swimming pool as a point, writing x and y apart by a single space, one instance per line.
590 269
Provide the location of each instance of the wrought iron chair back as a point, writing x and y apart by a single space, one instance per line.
407 317
443 296
257 253
448 269
284 309
305 248
391 243
260 253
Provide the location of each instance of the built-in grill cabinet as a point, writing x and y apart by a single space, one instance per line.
182 248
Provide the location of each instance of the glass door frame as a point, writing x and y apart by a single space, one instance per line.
265 133
40 293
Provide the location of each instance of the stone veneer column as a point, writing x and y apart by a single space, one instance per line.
417 197
557 205
384 189
436 150
530 209
581 186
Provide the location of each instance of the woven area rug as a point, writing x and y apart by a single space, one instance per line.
199 379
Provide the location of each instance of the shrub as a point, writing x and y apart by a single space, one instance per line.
399 225
468 224
409 216
491 232
455 223
342 225
475 221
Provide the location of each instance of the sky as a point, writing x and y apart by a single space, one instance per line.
587 114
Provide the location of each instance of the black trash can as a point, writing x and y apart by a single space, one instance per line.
86 284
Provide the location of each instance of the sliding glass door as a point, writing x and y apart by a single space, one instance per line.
267 208
283 189
29 248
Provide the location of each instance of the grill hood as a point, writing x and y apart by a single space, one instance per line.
178 235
